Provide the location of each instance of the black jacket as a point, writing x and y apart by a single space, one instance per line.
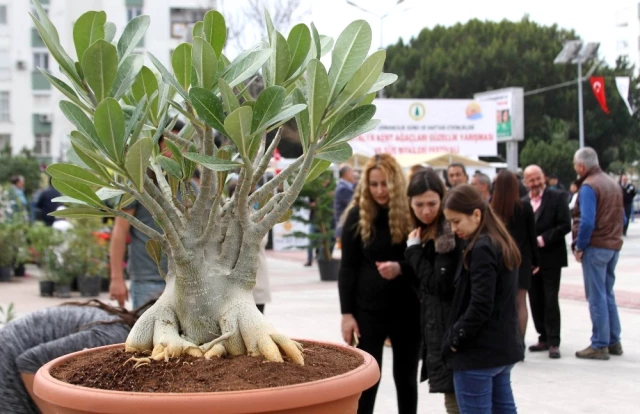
360 285
483 327
522 228
553 223
435 264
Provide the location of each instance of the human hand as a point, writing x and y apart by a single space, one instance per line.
118 291
536 270
349 328
578 254
415 234
388 270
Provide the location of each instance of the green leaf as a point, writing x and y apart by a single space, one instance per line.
238 127
209 108
80 212
100 65
302 119
141 112
205 62
269 23
317 167
317 94
385 79
215 30
109 122
242 69
57 51
351 49
74 174
212 163
364 78
317 53
146 84
170 166
137 161
132 35
267 106
229 99
108 193
65 89
350 125
176 153
126 75
299 42
79 192
181 62
198 30
279 62
168 77
110 30
194 119
336 154
154 249
88 29
326 44
285 115
43 17
86 157
81 121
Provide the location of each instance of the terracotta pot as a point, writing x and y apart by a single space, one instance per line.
336 395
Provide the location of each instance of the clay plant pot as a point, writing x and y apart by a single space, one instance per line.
336 395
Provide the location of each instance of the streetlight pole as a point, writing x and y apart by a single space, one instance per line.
580 106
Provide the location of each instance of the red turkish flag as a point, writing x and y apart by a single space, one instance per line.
597 84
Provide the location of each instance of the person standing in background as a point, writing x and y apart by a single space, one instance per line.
343 195
629 192
482 183
457 174
46 205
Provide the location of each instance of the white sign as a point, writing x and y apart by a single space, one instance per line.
423 126
282 239
509 112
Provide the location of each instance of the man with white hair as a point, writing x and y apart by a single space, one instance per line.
597 239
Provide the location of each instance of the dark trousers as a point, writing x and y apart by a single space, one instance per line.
545 307
628 208
406 345
260 307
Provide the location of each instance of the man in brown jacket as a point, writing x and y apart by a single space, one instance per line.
597 240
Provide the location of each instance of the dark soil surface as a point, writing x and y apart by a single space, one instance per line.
109 370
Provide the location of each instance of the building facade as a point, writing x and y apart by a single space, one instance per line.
29 114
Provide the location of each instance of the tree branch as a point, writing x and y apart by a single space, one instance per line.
148 231
277 180
157 196
207 234
260 214
245 182
177 139
266 158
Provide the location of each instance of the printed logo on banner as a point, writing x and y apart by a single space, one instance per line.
417 111
474 111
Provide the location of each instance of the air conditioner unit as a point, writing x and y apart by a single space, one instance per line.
45 118
21 65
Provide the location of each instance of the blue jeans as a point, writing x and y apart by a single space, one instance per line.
485 391
598 270
142 291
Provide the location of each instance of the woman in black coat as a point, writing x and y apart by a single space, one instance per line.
434 254
521 223
482 342
376 285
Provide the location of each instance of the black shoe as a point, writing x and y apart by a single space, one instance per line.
615 349
308 264
554 352
539 347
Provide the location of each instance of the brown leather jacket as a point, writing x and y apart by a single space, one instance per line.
607 233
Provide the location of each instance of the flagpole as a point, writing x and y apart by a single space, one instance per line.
580 106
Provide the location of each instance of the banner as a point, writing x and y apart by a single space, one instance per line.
509 112
597 84
623 83
423 126
282 232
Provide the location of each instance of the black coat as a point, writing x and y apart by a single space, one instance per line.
522 227
553 223
483 327
360 285
435 264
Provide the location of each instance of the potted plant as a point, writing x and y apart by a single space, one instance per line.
120 111
43 250
317 197
86 255
6 252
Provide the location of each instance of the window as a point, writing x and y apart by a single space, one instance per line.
5 68
43 145
182 19
3 14
5 110
5 140
40 60
133 12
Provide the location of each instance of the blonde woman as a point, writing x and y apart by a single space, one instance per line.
377 287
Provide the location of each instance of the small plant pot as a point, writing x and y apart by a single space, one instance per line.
5 274
46 288
104 284
89 285
63 291
329 269
19 271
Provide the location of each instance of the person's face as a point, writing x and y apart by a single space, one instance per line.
573 188
475 181
426 206
579 167
456 176
505 116
553 181
20 183
534 180
624 179
378 186
463 225
348 176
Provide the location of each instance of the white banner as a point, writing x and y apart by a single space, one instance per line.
623 84
423 126
509 112
281 232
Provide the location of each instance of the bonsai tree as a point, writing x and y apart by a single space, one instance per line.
120 110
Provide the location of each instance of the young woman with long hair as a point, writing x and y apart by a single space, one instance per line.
33 340
521 223
483 341
376 285
434 254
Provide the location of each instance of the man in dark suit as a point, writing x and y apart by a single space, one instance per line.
343 195
553 222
